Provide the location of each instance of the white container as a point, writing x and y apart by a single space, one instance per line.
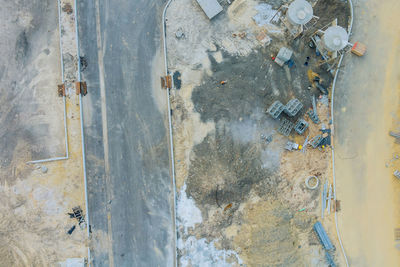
335 38
300 12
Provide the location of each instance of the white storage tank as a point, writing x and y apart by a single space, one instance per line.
299 12
335 38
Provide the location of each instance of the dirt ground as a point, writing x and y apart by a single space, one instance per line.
240 199
367 109
33 215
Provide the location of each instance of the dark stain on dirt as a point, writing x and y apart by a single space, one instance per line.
67 8
328 10
21 47
234 167
84 63
255 81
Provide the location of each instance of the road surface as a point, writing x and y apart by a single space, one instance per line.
126 139
366 109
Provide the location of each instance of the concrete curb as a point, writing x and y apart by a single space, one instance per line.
76 77
82 131
171 140
349 29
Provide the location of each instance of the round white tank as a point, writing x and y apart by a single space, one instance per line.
335 38
300 12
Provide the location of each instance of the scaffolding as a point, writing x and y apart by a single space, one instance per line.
293 107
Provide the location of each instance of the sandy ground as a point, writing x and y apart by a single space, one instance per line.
33 215
367 108
238 198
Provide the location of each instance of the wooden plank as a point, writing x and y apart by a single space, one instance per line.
83 88
359 49
78 87
168 79
163 83
166 82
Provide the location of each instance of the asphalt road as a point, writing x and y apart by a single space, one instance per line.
126 138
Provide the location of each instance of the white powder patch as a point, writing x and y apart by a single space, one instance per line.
218 57
197 252
265 14
202 35
49 200
187 212
244 131
271 158
251 129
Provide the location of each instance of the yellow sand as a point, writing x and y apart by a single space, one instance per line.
365 154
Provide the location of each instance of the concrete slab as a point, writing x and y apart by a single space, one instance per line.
210 7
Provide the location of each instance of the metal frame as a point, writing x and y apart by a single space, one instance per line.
285 127
301 28
328 59
293 107
276 109
323 236
300 126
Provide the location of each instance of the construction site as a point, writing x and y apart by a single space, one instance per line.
271 138
254 131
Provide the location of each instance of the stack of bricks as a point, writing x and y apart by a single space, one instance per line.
359 49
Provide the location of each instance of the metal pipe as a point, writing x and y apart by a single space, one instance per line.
324 192
171 140
322 204
82 132
46 160
64 102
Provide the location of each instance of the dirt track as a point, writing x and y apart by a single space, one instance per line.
367 108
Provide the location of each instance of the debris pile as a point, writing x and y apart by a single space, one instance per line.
78 215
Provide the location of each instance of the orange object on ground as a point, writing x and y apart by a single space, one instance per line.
359 49
228 207
166 82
